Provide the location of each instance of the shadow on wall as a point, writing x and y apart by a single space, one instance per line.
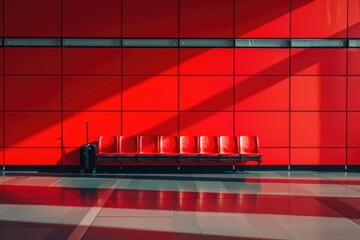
41 125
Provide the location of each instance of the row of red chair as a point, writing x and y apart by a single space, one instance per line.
241 148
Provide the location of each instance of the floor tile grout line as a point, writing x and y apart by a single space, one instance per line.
83 226
59 180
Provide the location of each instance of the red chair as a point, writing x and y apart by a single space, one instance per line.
228 146
169 146
189 146
209 146
128 146
249 148
107 146
148 146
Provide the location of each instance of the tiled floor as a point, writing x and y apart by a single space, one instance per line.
245 205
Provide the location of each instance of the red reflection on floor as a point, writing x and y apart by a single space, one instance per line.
63 231
241 202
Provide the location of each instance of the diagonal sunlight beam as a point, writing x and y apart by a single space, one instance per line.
52 120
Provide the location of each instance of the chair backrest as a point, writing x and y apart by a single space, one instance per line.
148 144
168 144
107 144
208 144
248 144
128 145
188 145
228 145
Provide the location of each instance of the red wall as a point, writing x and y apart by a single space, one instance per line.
304 104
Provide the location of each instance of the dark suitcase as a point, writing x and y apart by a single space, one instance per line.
88 157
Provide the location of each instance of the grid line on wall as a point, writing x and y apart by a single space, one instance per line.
3 76
62 92
121 71
289 90
178 84
347 84
234 71
178 73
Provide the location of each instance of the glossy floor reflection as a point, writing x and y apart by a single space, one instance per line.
244 205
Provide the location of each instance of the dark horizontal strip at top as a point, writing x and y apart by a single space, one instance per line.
354 43
170 42
91 42
268 43
32 42
182 43
328 43
213 43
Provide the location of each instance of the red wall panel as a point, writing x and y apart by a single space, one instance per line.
97 61
206 123
319 18
157 18
353 93
203 61
92 93
71 156
272 128
1 130
146 93
318 61
95 18
354 129
318 129
207 18
318 93
274 156
2 156
353 156
33 129
33 156
34 60
354 18
318 156
1 60
262 61
150 61
206 93
150 123
36 18
273 22
36 93
262 93
148 90
353 61
1 94
100 124
1 18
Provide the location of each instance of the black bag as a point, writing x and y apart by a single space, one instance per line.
88 157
